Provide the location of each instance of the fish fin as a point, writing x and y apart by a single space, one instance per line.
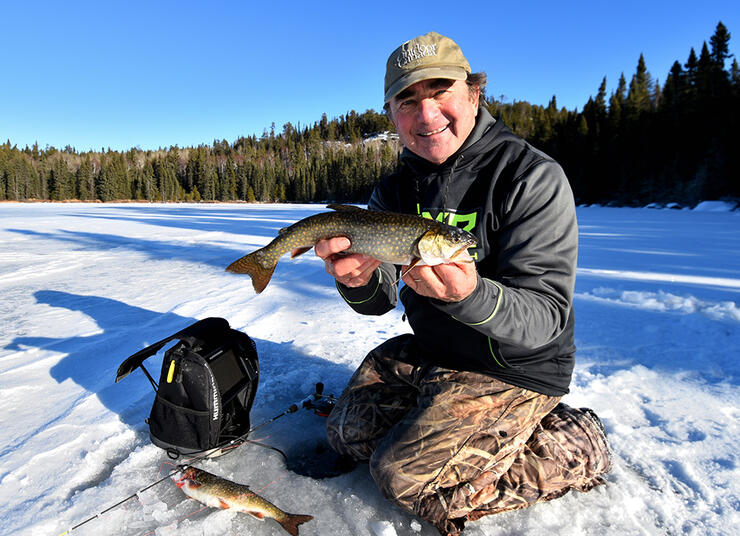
258 515
223 504
344 208
299 251
291 521
253 268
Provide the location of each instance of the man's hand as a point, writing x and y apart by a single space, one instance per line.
351 270
450 282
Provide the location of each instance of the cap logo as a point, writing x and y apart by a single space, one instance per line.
415 52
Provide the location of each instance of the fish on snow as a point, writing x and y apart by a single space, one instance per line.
218 492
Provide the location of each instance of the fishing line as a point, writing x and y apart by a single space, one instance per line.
266 446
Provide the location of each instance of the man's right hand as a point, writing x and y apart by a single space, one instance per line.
351 269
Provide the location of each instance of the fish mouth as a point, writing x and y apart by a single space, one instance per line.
182 476
462 252
433 132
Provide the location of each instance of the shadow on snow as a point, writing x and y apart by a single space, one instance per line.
218 256
262 220
91 361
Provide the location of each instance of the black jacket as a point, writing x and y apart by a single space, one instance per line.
517 325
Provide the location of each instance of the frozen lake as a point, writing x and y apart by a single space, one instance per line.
84 285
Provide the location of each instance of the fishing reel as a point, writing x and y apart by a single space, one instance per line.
320 403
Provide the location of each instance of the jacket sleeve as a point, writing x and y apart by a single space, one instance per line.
526 297
380 295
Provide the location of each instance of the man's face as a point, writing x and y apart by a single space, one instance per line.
433 118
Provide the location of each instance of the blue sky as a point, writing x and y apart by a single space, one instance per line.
155 74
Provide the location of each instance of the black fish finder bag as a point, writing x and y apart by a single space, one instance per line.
206 387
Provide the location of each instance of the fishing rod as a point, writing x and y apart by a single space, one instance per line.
318 402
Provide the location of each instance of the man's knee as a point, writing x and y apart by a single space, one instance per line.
388 479
401 480
580 433
333 431
347 436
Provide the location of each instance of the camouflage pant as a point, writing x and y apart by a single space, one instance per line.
454 446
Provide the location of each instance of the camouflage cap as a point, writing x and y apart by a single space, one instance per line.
428 56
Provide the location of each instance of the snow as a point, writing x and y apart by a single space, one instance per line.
715 206
84 285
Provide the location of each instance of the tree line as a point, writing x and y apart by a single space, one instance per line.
331 160
645 142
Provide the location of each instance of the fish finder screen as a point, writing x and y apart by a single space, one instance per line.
227 370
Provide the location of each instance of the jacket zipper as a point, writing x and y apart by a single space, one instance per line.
445 191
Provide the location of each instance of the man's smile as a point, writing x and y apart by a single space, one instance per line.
431 133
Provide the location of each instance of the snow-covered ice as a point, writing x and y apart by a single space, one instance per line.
84 285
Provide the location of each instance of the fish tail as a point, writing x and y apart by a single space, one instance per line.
291 521
253 265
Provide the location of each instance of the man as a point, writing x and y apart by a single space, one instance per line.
462 419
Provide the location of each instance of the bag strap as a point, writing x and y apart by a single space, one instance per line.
188 335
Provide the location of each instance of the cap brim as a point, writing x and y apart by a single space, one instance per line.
426 73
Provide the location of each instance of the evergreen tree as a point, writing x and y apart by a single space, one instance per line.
638 97
720 42
704 75
617 102
691 67
104 182
674 88
148 182
85 180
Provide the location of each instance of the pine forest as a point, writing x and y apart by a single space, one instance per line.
647 142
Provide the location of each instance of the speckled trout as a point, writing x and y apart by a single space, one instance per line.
402 239
218 492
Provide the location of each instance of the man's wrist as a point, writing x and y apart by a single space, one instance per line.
363 293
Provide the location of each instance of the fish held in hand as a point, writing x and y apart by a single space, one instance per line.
218 492
386 236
